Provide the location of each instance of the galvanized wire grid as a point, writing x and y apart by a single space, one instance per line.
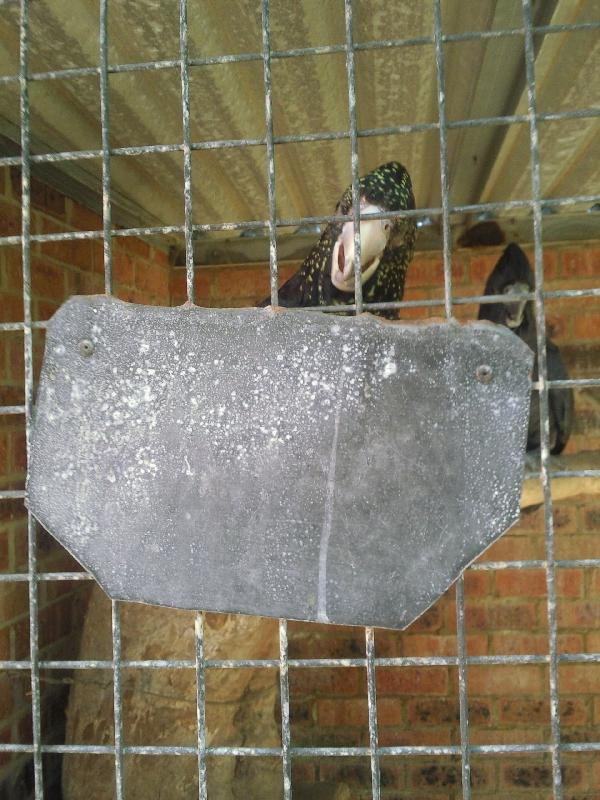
287 752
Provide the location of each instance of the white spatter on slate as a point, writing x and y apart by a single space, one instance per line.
290 464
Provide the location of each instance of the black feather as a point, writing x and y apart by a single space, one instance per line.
389 186
513 270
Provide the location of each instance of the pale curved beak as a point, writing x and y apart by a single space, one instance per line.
515 311
374 236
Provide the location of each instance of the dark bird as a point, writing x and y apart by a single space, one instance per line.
326 276
512 274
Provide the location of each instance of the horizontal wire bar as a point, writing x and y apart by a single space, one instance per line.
16 577
376 44
7 577
304 752
12 494
216 144
296 221
307 663
12 410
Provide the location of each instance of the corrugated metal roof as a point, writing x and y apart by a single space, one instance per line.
394 87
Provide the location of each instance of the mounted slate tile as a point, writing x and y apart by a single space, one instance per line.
283 463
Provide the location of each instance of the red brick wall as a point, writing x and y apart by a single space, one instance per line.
58 270
506 610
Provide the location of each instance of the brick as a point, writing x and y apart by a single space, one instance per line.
303 771
436 775
97 253
160 256
310 645
502 616
74 253
574 712
18 452
137 246
308 682
152 278
357 773
4 554
11 270
521 582
440 645
431 620
535 777
569 582
11 308
587 326
576 264
579 614
10 219
48 280
577 546
506 680
479 267
82 218
390 711
519 643
412 680
44 309
123 269
342 713
234 282
430 711
5 643
90 283
514 548
579 678
302 713
528 712
14 600
477 583
391 736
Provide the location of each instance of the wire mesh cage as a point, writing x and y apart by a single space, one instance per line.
24 86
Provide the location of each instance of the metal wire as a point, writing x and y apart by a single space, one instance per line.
200 667
187 151
105 127
543 403
325 136
270 154
288 752
443 127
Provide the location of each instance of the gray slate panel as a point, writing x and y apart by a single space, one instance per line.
290 464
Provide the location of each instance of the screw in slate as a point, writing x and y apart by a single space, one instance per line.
86 347
484 373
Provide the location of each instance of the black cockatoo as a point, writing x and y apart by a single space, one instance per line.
326 276
513 274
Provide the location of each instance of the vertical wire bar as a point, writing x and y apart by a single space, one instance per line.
463 697
284 687
358 298
446 233
187 150
543 400
372 701
201 706
104 120
117 698
266 45
28 388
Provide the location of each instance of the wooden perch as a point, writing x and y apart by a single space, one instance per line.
565 487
